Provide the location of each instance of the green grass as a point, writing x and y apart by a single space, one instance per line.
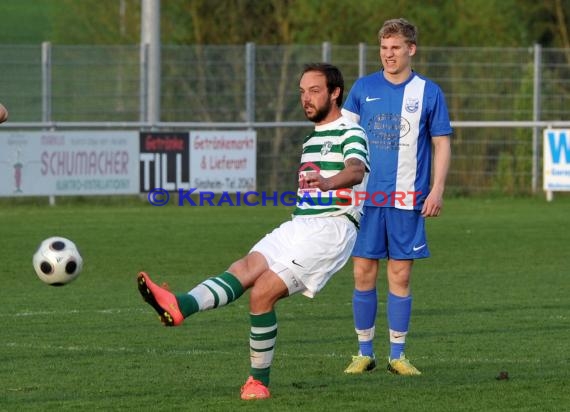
493 297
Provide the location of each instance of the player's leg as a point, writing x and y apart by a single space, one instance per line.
365 303
304 255
399 304
212 293
407 242
370 246
266 291
225 288
364 307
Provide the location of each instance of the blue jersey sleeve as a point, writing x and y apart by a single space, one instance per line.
439 124
352 103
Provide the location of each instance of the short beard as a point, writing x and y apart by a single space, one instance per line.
320 114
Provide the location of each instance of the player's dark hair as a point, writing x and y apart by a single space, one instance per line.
400 27
333 76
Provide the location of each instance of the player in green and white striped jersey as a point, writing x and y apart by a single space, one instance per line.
302 254
325 152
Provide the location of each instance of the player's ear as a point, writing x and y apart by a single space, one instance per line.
335 94
412 49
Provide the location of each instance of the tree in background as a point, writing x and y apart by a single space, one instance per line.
475 23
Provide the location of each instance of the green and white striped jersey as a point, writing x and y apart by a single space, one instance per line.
324 151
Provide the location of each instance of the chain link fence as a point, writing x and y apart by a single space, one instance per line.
499 98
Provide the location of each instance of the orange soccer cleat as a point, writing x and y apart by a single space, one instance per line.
254 389
161 299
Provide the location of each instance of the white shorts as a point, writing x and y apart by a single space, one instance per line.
306 251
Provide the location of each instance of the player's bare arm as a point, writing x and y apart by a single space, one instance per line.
3 113
351 175
442 158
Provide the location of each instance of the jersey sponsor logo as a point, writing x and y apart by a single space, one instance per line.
405 127
372 99
412 104
385 130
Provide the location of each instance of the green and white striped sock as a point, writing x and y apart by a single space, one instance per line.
210 294
262 338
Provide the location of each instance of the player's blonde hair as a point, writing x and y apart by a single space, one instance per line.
400 27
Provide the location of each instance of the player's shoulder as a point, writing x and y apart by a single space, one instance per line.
346 123
429 82
350 128
374 77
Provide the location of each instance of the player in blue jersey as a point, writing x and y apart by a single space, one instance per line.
405 116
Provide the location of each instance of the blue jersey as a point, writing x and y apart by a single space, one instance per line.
400 120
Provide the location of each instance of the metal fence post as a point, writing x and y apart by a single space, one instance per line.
46 92
250 82
361 59
150 36
327 52
143 81
46 82
536 113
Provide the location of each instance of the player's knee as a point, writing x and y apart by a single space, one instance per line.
365 276
365 273
238 267
402 283
261 300
258 295
265 292
399 279
243 272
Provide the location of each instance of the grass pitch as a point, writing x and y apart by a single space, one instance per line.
493 297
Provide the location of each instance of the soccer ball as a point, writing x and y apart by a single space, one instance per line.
57 261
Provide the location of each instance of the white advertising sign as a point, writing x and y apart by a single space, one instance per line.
556 160
69 163
223 161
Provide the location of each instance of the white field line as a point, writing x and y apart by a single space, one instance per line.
70 312
292 354
107 349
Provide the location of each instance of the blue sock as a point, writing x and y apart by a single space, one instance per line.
399 310
364 306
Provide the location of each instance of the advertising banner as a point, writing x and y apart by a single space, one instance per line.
223 161
164 161
69 163
556 160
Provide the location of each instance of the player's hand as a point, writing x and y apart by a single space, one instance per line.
315 180
3 113
432 205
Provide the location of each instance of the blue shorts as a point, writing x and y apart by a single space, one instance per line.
387 232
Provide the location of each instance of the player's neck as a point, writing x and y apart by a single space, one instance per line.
334 114
398 78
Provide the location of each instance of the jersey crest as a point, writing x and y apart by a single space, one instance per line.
412 104
326 148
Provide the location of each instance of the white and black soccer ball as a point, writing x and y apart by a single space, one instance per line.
57 261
